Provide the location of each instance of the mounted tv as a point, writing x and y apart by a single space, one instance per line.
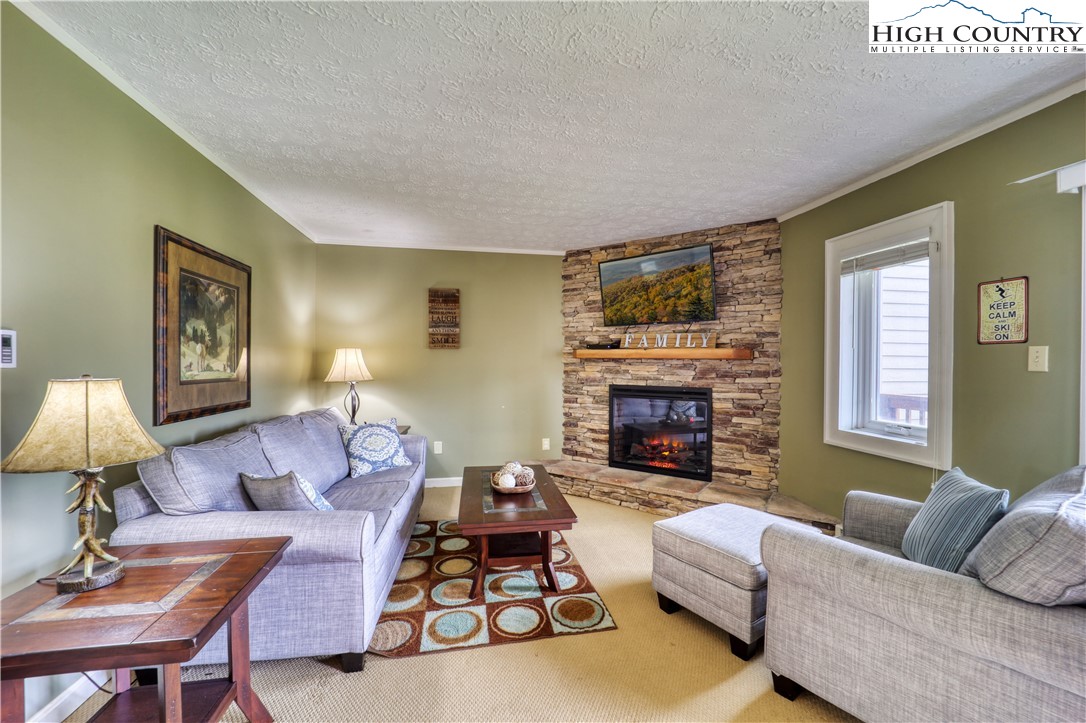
669 287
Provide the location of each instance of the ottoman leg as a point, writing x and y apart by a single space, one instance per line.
786 687
741 650
668 605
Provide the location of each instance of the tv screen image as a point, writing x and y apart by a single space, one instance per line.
668 287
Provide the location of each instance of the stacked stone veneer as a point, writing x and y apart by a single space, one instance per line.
746 394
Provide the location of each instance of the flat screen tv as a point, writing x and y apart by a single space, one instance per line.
669 287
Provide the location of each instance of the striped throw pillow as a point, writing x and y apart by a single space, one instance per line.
957 514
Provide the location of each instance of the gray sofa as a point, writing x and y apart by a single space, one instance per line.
326 595
883 638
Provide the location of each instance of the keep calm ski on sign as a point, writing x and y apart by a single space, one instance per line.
1003 311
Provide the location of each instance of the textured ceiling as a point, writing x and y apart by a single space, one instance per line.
543 126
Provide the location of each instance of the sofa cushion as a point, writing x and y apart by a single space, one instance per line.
165 489
955 516
283 493
373 447
290 447
368 495
1037 552
210 474
329 456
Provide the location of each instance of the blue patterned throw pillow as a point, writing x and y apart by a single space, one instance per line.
955 516
373 447
288 492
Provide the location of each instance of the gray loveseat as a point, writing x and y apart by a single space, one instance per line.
855 623
326 595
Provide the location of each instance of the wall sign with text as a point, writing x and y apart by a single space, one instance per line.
1003 311
444 327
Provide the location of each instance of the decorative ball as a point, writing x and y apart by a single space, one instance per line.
525 476
510 467
507 480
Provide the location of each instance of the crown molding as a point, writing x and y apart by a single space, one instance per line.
1007 118
62 36
434 247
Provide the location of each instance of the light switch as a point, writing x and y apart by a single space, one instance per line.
1038 359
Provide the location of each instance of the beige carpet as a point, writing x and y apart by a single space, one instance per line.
654 667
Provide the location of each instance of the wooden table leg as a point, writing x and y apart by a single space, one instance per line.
169 693
13 709
484 561
548 560
122 680
240 673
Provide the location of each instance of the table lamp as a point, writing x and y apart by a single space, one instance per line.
83 425
348 366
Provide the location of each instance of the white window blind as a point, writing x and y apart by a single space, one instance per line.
904 254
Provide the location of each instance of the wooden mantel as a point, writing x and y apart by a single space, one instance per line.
719 352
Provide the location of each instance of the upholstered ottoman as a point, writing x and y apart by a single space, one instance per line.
709 561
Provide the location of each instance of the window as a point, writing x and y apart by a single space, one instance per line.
889 344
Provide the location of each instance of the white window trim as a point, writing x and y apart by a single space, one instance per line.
938 222
1072 179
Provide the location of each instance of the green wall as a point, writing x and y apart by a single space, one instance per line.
493 399
1012 428
86 175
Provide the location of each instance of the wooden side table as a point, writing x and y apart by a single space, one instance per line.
173 599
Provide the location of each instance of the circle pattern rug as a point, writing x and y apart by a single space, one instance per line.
429 608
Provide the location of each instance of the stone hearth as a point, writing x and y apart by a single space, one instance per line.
670 496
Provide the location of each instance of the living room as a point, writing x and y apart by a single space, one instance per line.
89 171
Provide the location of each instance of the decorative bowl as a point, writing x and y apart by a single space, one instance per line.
519 489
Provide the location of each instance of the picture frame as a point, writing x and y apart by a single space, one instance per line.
202 330
1003 311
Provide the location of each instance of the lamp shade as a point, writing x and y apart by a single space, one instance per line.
82 424
348 366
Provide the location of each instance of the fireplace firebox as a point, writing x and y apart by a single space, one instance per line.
663 430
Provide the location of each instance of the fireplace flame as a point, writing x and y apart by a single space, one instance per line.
664 451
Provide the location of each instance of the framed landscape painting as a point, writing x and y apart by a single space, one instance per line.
665 287
201 330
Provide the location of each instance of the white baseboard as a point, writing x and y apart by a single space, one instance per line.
443 481
69 701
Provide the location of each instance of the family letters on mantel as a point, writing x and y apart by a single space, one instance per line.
679 340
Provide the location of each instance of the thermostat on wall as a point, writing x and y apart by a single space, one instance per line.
7 349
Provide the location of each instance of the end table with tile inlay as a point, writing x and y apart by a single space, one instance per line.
173 598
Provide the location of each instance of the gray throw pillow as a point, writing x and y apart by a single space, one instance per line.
955 516
1037 552
287 492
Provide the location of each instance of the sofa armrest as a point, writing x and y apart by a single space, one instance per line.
878 518
414 446
336 536
955 611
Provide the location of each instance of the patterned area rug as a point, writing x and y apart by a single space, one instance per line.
428 608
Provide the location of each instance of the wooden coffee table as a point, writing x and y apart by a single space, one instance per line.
513 529
172 600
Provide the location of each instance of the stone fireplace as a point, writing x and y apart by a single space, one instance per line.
662 430
742 417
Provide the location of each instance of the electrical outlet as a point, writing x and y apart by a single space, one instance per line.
1038 359
546 443
438 447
